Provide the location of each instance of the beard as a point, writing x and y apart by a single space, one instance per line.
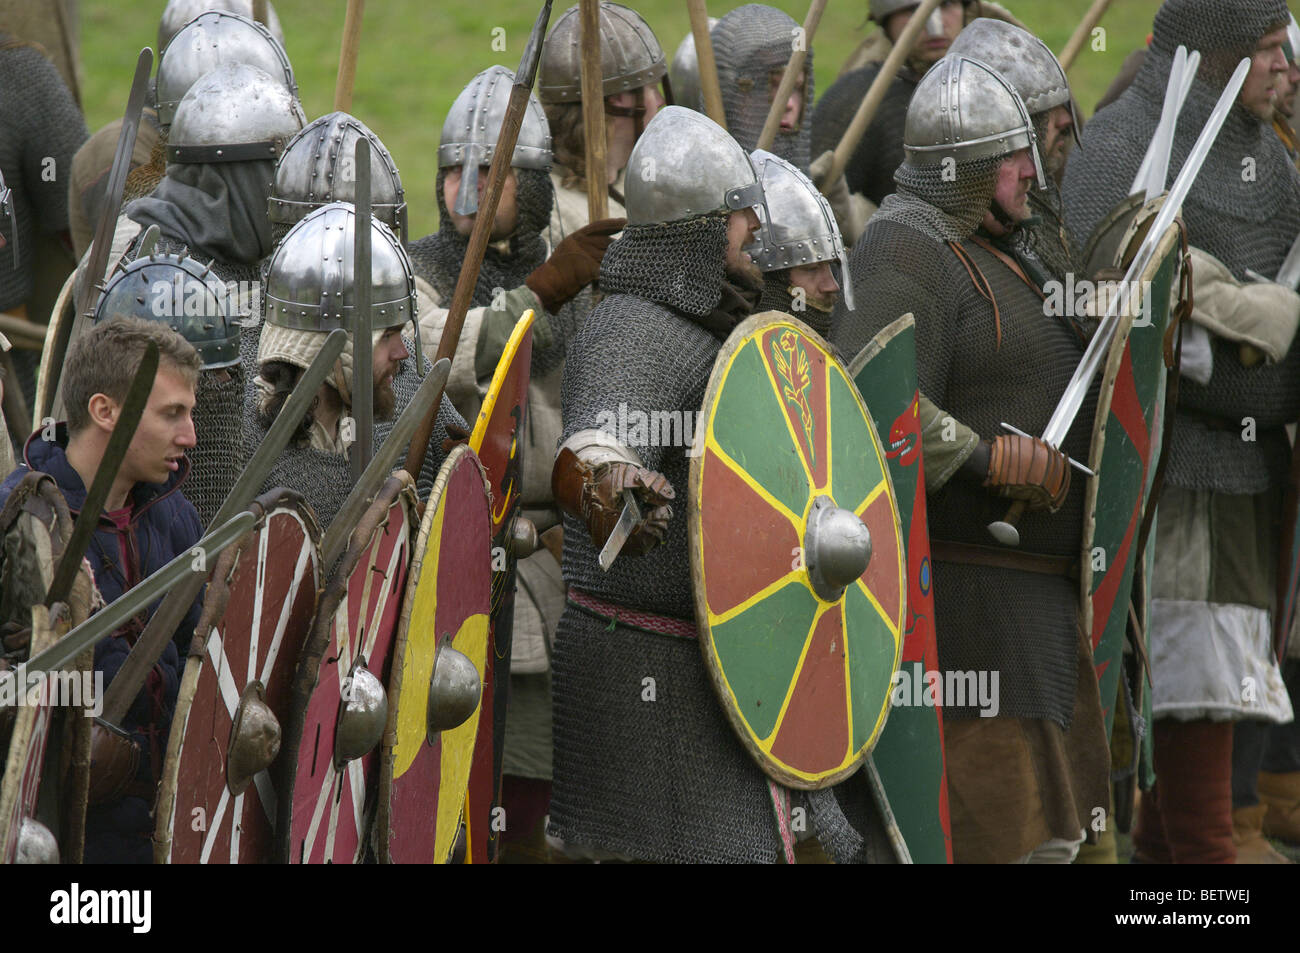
744 272
385 399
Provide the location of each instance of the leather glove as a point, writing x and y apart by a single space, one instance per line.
595 496
574 264
456 435
1026 468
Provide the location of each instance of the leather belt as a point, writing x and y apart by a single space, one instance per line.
972 554
615 614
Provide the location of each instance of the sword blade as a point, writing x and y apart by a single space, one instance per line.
363 395
1289 274
1099 346
627 519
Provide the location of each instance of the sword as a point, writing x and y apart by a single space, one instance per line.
1289 274
630 516
363 394
1004 531
109 465
1154 169
7 207
117 612
162 625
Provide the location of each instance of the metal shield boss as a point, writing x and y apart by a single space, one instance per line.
909 757
800 630
339 709
221 778
440 661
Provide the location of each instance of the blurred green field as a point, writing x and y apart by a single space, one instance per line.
417 55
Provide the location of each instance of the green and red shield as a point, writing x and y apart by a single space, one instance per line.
322 782
1288 570
784 438
909 755
425 773
496 441
1126 444
257 612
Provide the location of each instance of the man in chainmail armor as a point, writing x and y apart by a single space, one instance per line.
307 295
1216 536
798 245
1043 244
1023 782
752 45
667 780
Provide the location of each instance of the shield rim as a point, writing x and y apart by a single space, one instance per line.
1167 245
774 769
383 816
399 486
276 501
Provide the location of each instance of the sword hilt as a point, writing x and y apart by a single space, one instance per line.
1004 530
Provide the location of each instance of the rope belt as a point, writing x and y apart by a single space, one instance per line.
632 618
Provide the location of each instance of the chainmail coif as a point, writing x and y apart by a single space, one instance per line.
749 44
870 169
678 264
217 458
946 209
776 297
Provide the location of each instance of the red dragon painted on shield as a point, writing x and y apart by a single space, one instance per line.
905 448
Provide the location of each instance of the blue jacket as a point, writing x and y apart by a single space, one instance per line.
163 524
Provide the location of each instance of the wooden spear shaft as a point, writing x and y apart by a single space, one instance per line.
710 90
876 94
348 56
593 112
1082 32
260 14
791 75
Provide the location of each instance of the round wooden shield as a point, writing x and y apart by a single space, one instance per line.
47 765
322 807
1126 443
495 440
257 611
804 681
423 781
909 756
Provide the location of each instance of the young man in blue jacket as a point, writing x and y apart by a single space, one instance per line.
145 523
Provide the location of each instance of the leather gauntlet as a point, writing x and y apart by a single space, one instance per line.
594 494
1027 469
574 264
114 761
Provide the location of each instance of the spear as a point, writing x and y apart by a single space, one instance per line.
593 113
876 94
710 90
487 212
348 56
1082 32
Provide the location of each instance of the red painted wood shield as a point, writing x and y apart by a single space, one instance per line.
25 763
257 611
323 804
495 440
423 782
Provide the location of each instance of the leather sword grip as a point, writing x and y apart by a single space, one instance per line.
595 496
1027 469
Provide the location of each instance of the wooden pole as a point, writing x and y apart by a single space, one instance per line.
259 13
710 91
593 113
876 94
1082 32
792 71
348 56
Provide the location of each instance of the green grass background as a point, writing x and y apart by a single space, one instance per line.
416 55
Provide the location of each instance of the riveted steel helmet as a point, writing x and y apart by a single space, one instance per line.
1023 60
630 55
308 280
236 113
684 166
316 169
183 294
180 12
211 40
798 226
963 110
684 73
1292 45
473 124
